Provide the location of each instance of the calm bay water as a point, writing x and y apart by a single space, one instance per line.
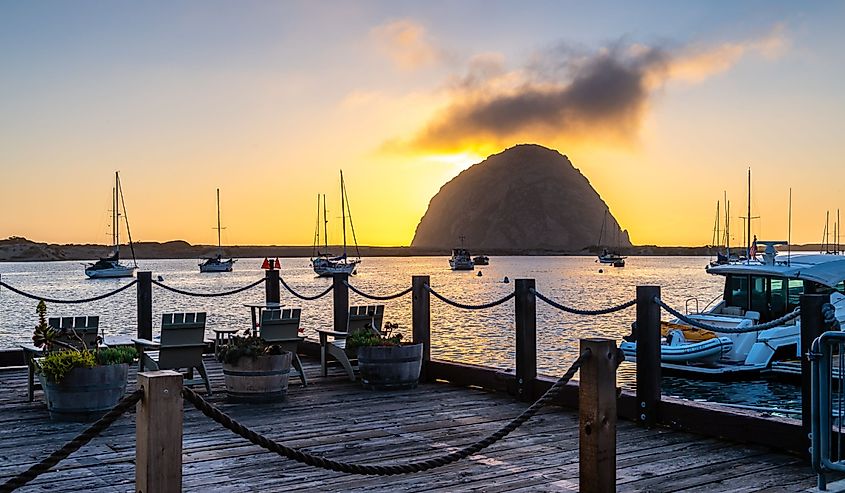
481 337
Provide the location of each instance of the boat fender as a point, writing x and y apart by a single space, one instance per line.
506 280
601 271
479 274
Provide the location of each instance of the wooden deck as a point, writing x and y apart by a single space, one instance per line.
337 418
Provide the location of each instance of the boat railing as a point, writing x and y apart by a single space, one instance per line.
691 301
827 358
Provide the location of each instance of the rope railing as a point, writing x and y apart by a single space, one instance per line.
206 295
465 306
72 446
728 330
303 296
377 297
579 311
380 469
81 300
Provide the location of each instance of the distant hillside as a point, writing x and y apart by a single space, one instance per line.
527 197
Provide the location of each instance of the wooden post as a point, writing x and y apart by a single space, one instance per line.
597 416
648 355
812 326
145 305
340 299
526 338
271 286
421 319
158 433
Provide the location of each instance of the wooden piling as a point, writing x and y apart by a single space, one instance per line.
526 338
648 355
340 300
145 305
158 433
271 286
421 319
812 326
597 417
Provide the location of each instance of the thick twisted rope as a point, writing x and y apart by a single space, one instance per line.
206 295
82 300
382 470
728 330
829 317
377 297
72 446
468 307
578 311
303 296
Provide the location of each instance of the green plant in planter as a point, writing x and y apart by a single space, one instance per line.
56 365
249 346
364 338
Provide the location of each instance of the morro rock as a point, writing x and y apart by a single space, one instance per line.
527 197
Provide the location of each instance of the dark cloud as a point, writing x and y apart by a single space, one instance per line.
606 92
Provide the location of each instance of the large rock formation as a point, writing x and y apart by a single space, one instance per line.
527 197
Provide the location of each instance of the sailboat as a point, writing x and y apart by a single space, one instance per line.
217 264
324 264
109 267
606 256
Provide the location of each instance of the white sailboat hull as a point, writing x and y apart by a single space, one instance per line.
117 270
214 265
327 268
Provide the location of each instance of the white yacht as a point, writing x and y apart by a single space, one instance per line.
110 267
756 292
461 260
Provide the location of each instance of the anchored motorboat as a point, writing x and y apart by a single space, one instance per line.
756 291
461 259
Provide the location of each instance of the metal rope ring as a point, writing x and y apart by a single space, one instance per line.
83 300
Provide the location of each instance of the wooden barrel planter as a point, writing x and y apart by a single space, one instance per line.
390 367
85 394
261 379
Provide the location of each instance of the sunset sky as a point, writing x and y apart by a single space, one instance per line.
661 105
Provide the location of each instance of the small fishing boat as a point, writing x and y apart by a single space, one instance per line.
324 263
481 260
110 267
461 259
217 264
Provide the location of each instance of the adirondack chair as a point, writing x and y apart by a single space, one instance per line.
363 317
281 327
73 331
182 344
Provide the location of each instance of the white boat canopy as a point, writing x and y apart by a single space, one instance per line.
828 270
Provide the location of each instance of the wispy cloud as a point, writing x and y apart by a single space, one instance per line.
406 43
565 91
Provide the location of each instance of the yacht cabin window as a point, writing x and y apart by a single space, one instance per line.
772 297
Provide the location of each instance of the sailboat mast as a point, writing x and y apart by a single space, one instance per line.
748 225
219 247
727 227
343 212
116 214
325 225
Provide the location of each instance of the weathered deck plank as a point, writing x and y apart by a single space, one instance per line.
337 419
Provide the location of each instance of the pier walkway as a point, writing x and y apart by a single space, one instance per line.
338 419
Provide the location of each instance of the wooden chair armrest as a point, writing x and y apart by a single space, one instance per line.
333 333
146 343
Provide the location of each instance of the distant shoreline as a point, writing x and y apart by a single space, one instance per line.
22 250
